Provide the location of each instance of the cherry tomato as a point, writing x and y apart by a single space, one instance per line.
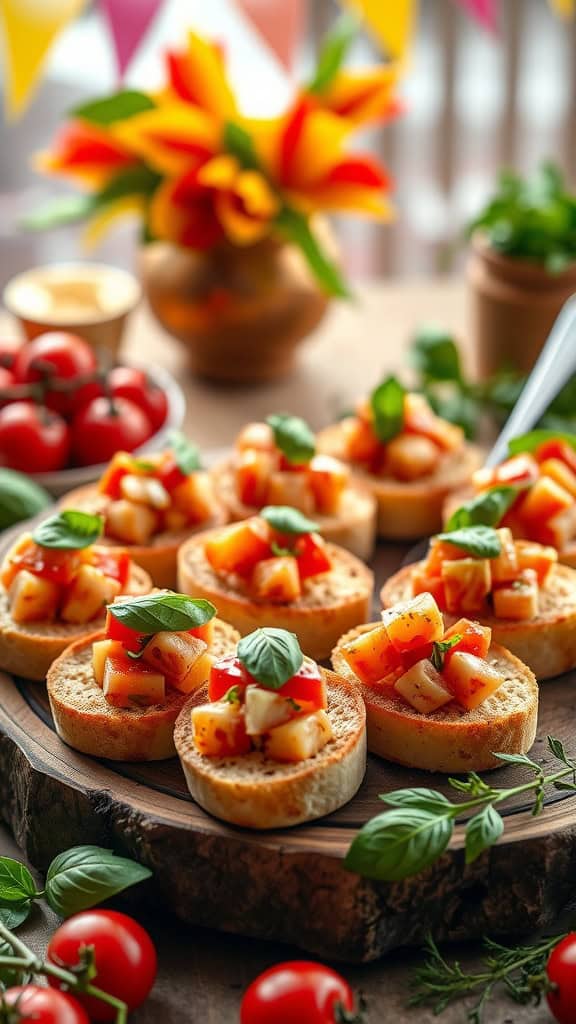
296 992
7 378
59 356
45 1005
561 971
113 563
32 439
128 382
105 427
311 555
8 349
124 957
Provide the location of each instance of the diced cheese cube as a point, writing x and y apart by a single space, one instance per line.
505 566
32 599
562 527
467 583
132 684
144 491
101 650
470 679
300 738
132 523
264 709
276 580
371 655
538 557
410 456
290 488
181 658
518 600
411 624
88 594
423 687
219 730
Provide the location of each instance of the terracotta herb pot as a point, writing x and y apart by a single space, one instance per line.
513 304
240 312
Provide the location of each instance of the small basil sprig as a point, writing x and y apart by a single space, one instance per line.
69 530
480 541
153 613
293 437
440 649
285 519
387 405
271 656
530 442
185 452
487 509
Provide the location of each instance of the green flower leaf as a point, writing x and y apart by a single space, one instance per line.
531 441
271 656
293 437
239 143
186 453
16 882
487 509
69 530
482 831
285 519
295 227
86 875
399 843
480 541
333 52
387 404
153 613
118 107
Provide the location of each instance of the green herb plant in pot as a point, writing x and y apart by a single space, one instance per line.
522 268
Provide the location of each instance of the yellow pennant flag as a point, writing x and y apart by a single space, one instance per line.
29 28
564 8
391 22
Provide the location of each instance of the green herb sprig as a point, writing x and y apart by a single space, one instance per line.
293 437
69 530
479 541
286 519
417 829
387 405
486 509
272 656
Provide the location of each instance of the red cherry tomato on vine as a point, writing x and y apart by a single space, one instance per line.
296 992
57 355
561 971
45 1005
128 382
32 439
104 427
8 349
124 957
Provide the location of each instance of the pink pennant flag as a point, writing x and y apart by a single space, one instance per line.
128 22
280 23
485 12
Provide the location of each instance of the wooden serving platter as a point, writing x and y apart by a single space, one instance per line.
287 885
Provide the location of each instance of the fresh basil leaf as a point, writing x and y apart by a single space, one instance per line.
522 760
482 831
239 143
16 882
387 404
186 453
399 843
435 355
117 107
86 875
487 509
440 648
333 52
271 656
530 442
295 227
280 551
12 915
68 530
20 498
153 613
285 519
293 437
480 541
423 799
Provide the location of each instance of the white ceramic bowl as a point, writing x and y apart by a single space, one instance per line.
63 480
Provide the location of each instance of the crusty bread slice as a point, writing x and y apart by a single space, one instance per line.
253 791
408 510
29 648
86 721
451 739
547 644
159 557
330 604
353 528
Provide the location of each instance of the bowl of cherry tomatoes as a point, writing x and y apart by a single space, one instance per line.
62 416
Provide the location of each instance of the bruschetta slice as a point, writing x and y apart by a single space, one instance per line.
272 740
55 584
151 505
117 693
436 699
276 463
540 481
409 458
275 570
515 587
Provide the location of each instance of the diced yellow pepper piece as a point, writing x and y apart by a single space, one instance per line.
371 655
411 624
88 594
101 650
219 730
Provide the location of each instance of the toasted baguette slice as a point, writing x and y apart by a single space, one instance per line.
331 603
353 528
86 721
29 648
159 557
547 644
450 739
408 510
255 792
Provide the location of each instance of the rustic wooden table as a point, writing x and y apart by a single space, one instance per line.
202 973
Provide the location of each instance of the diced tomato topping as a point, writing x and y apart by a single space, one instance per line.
116 630
360 441
169 473
555 448
239 547
205 632
307 688
225 673
120 466
284 465
422 583
520 470
311 555
419 418
441 551
252 471
410 658
475 638
544 500
112 563
328 479
58 566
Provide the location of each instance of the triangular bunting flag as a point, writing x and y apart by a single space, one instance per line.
280 24
128 21
391 22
